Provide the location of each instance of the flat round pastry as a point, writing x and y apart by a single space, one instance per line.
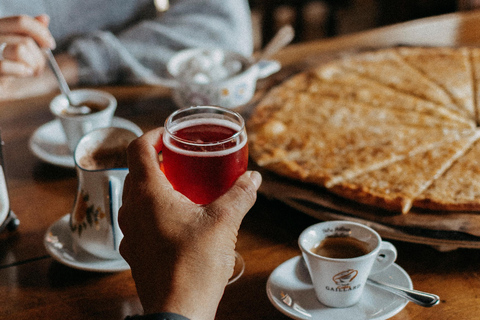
395 128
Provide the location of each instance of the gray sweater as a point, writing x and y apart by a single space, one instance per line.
127 41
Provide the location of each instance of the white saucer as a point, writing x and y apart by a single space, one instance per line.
49 143
59 244
291 278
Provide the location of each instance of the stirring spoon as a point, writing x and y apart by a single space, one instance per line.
282 38
72 108
423 299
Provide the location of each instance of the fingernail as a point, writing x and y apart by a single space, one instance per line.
52 43
256 178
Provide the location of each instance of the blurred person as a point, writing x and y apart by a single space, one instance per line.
101 42
181 254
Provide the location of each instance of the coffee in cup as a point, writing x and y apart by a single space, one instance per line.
341 247
105 158
93 106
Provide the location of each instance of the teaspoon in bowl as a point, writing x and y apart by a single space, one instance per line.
282 38
73 108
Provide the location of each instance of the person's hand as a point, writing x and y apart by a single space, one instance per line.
181 254
16 88
23 38
23 60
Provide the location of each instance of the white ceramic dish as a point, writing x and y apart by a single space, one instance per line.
59 244
230 92
49 144
75 127
291 283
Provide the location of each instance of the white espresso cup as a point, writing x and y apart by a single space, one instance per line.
76 126
100 160
340 255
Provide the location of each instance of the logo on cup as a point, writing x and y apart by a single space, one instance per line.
343 280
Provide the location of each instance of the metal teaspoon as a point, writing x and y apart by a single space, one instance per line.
72 108
423 299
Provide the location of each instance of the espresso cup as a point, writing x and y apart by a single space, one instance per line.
76 126
340 255
100 160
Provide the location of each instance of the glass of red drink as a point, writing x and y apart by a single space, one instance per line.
204 151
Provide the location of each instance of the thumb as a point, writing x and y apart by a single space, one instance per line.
236 202
42 35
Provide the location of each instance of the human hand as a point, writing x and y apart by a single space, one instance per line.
17 88
181 254
24 37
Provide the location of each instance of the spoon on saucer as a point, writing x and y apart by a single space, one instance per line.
73 108
423 299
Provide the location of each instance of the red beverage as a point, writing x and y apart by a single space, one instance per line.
202 158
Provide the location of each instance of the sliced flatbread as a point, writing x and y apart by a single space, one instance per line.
326 140
327 166
378 129
387 67
395 186
335 81
458 189
450 68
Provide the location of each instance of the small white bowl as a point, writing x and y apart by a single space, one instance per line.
230 92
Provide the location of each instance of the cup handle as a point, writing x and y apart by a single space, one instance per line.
385 258
115 195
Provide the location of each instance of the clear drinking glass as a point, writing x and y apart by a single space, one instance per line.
204 151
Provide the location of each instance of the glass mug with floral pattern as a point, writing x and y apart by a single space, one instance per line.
100 161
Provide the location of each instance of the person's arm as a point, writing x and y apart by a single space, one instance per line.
139 53
181 254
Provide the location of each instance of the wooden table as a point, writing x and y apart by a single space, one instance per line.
35 286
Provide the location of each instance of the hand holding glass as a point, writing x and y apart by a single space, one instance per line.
204 152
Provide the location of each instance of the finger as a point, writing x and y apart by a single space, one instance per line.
154 138
28 26
144 166
33 56
13 68
126 187
236 202
24 50
142 155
